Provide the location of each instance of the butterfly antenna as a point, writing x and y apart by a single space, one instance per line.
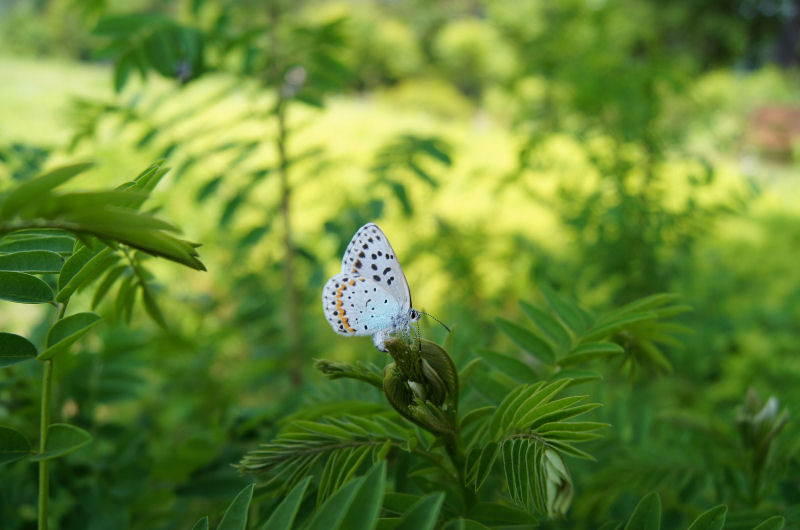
437 320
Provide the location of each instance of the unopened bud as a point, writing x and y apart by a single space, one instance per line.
422 384
559 484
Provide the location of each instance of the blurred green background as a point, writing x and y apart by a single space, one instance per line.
607 149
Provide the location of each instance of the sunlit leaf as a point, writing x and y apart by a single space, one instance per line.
112 218
27 193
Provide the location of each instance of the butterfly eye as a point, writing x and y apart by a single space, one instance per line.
414 314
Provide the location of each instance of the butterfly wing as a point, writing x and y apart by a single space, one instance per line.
355 305
370 255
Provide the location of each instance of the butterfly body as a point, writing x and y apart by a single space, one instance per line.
370 296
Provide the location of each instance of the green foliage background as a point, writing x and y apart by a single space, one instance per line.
601 151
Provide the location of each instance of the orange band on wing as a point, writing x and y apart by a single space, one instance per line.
341 310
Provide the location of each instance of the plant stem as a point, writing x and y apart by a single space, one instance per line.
757 470
44 424
453 448
275 73
44 471
292 328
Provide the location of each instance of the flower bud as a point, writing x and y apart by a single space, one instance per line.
759 424
558 484
422 384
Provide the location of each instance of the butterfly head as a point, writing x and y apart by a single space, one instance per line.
415 315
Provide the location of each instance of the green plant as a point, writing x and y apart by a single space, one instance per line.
296 59
53 245
514 437
647 516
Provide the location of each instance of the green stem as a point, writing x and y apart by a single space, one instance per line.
755 480
292 309
44 472
456 454
44 424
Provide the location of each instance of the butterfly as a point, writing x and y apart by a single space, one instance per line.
370 296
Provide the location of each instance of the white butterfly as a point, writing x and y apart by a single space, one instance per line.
370 296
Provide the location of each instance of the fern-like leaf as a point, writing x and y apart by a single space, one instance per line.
338 445
530 432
